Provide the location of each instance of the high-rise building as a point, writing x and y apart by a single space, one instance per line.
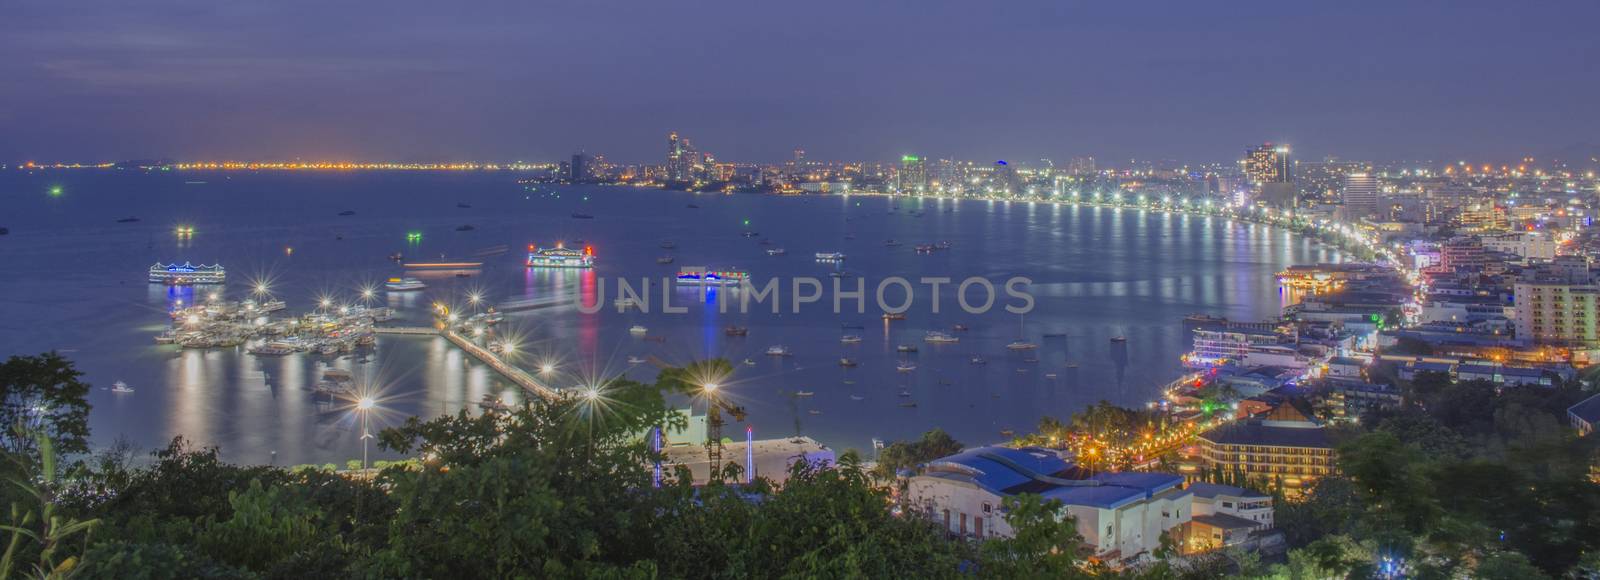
1081 166
1269 170
913 174
1004 178
1360 194
579 170
681 158
1557 304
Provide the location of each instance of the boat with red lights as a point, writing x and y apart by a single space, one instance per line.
560 257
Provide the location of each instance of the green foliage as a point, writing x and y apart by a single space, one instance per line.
43 394
1045 542
38 526
899 456
117 560
266 527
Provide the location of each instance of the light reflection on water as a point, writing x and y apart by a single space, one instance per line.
1098 273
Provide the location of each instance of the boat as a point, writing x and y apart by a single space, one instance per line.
906 348
633 360
891 243
1051 376
463 205
664 260
1030 360
850 339
637 329
909 404
905 392
845 362
560 257
121 387
857 398
749 363
625 303
348 212
959 328
942 245
777 252
814 412
803 393
397 256
778 350
187 274
403 285
978 360
1020 344
736 331
703 276
582 216
830 256
924 248
906 367
127 220
894 316
1119 339
693 206
270 350
489 402
937 337
1055 335
1007 433
750 234
668 244
840 274
848 326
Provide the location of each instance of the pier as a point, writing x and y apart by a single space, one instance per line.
507 370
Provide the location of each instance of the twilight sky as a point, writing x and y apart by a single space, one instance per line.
749 80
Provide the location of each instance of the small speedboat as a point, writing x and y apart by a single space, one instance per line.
637 329
814 412
778 350
127 220
1021 345
857 398
850 339
693 206
1116 339
633 360
906 348
905 392
803 393
464 205
749 363
909 405
664 260
894 316
978 360
845 362
465 228
582 216
736 331
906 367
668 244
777 252
121 387
348 212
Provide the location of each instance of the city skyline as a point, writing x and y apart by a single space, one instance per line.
753 82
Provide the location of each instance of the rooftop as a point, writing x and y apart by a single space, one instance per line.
1008 471
1255 433
1212 490
1587 409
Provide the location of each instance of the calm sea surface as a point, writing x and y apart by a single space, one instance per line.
74 282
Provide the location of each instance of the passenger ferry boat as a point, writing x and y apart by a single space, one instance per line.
778 350
830 256
703 276
938 337
187 274
560 257
403 284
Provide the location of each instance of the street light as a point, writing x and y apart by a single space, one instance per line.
364 408
547 368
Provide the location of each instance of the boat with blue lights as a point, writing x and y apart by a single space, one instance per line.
703 276
560 257
187 274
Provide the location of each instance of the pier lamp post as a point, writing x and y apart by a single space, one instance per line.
547 368
475 299
364 407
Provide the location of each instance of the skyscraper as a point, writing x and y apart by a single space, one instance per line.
681 158
578 170
1268 169
1360 194
913 174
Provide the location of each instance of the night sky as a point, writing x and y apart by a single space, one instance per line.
749 80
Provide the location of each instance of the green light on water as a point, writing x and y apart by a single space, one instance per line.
747 222
414 236
56 191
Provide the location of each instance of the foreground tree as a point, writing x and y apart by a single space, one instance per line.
42 395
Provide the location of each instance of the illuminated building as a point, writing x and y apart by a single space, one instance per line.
579 171
185 274
1285 445
1223 516
1268 169
1360 194
681 158
1556 304
913 174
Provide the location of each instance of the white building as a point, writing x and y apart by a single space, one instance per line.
1224 516
1528 245
1121 516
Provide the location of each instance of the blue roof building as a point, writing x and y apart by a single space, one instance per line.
1120 515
